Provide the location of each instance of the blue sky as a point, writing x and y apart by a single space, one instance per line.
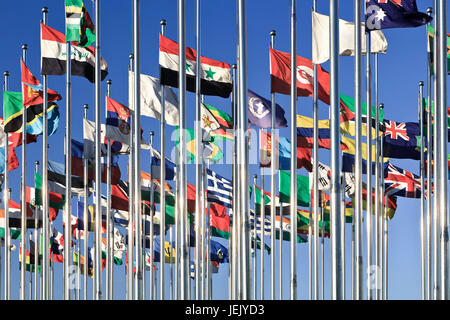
400 70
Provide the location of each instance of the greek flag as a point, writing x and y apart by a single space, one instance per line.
220 190
267 223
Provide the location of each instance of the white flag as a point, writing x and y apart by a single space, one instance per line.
321 42
151 99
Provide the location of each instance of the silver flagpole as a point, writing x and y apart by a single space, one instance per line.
315 175
385 240
383 257
109 265
36 236
45 209
272 184
422 197
23 193
322 257
85 220
261 252
152 214
184 263
198 141
30 236
243 144
79 253
254 240
310 250
337 262
6 206
429 170
51 278
203 243
377 181
358 259
281 252
443 146
98 177
235 222
293 131
162 206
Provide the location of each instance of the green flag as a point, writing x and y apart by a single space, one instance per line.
79 26
211 150
430 30
302 189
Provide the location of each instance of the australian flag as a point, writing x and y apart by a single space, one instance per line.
399 182
384 14
401 140
260 112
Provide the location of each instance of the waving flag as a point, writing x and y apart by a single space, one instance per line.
399 182
220 221
302 189
401 140
156 166
384 14
57 179
220 189
305 133
260 112
79 26
430 31
117 122
216 122
215 77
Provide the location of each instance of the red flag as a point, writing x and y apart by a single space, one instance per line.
220 220
119 198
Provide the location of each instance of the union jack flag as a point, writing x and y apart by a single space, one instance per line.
401 140
401 183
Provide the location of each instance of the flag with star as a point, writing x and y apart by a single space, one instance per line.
216 123
215 77
401 183
401 140
385 14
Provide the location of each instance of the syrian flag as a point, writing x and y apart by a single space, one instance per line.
215 78
53 56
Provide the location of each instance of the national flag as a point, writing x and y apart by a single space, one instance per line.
425 117
30 258
284 225
216 122
118 247
151 99
118 122
169 252
14 232
399 182
302 189
219 252
57 246
215 77
391 203
15 215
268 202
401 140
120 217
56 201
79 26
219 189
80 260
430 32
220 220
257 240
321 35
57 179
53 56
210 149
304 221
348 163
13 162
260 112
348 156
156 166
384 14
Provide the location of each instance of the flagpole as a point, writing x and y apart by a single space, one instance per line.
358 259
85 218
385 239
203 243
280 256
293 167
310 249
108 209
152 215
235 233
337 262
78 251
254 241
162 205
377 180
6 206
261 252
36 170
322 254
422 197
429 169
243 143
272 183
383 229
443 145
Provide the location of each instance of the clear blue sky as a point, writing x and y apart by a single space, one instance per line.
400 70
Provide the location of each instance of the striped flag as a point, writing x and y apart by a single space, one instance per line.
79 26
220 190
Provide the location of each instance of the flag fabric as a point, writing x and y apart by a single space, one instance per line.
56 201
401 140
79 26
219 189
14 232
386 14
57 179
151 99
156 166
211 149
402 183
13 162
430 32
260 112
220 221
267 202
54 55
216 122
118 247
321 34
348 163
15 216
219 252
348 156
215 77
302 189
257 240
118 122
391 203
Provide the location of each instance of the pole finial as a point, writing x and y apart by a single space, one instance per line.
85 107
273 33
429 11
234 66
37 162
152 133
163 22
131 56
421 84
109 81
44 10
24 47
381 105
6 73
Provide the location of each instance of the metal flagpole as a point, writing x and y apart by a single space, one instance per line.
23 192
152 215
184 263
383 257
310 249
203 238
262 225
254 240
322 257
85 219
272 184
109 266
6 198
293 133
79 252
377 181
30 271
422 196
51 278
98 177
235 221
243 144
36 237
45 209
358 259
162 207
337 273
281 252
442 187
198 141
385 240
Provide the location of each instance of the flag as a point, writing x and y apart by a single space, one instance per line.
399 182
321 35
118 247
30 258
219 189
14 232
216 122
384 14
156 166
348 156
220 221
219 252
15 215
280 74
284 226
215 78
348 163
79 26
391 202
430 32
268 202
151 99
257 240
302 189
260 112
57 179
53 56
401 140
118 122
210 148
13 162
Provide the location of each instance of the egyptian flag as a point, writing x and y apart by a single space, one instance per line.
15 215
53 56
215 78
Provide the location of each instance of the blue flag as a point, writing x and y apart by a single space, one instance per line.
156 166
260 112
401 140
348 162
219 253
384 14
